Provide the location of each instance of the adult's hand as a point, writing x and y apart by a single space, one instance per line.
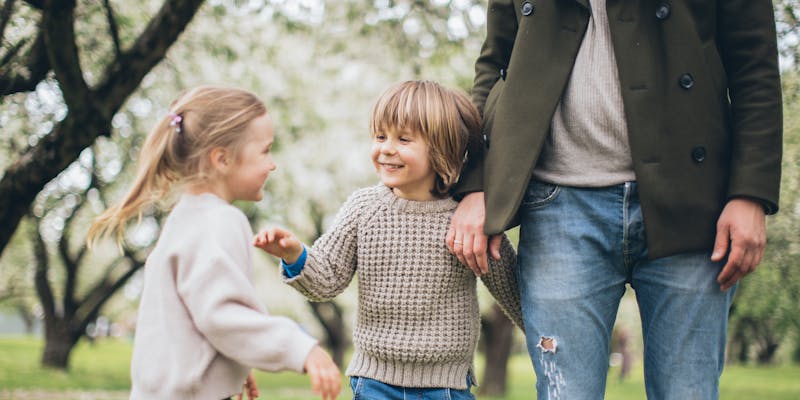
742 235
466 239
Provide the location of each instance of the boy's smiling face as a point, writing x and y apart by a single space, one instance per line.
402 160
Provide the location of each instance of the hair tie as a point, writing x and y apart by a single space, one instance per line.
175 121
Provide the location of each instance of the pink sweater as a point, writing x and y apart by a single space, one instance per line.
201 326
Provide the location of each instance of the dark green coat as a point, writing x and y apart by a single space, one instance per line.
701 90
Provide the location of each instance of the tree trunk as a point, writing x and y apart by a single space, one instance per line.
497 333
59 342
329 315
767 353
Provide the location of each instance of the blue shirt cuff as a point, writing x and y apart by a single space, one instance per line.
295 268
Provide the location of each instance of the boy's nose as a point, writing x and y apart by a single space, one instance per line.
387 147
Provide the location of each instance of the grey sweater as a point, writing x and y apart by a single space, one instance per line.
418 320
588 142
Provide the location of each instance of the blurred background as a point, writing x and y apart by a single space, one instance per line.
82 82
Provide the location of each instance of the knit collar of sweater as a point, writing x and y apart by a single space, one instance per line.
387 196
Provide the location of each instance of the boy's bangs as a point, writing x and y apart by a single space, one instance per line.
401 111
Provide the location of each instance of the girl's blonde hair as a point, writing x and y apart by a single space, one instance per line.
176 150
446 119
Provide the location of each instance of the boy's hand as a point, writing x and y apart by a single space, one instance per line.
325 376
280 243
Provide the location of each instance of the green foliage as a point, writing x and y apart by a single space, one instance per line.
765 312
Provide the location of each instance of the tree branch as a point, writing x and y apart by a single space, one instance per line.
104 289
5 16
58 23
112 28
40 278
125 74
70 266
37 66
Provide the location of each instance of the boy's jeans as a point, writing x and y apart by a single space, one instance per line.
370 389
578 248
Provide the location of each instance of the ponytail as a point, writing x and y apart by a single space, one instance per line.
152 183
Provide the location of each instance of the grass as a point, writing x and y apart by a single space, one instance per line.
102 369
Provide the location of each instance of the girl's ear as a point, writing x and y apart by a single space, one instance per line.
220 159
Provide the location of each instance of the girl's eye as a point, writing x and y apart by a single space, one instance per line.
380 137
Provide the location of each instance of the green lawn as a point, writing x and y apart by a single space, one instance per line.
103 368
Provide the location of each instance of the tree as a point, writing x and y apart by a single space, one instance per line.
764 312
60 212
54 56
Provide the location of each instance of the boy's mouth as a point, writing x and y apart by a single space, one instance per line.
391 166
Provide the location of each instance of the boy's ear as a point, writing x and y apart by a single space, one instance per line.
220 159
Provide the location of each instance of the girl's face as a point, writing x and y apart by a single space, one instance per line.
246 178
403 163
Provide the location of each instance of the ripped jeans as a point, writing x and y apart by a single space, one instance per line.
578 249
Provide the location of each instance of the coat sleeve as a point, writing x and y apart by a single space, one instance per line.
331 261
502 282
748 48
501 30
215 286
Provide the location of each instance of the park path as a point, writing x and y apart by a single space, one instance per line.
35 394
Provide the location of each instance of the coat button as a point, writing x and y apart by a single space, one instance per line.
686 81
699 154
663 11
527 8
503 73
486 140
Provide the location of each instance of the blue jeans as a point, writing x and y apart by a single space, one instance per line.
578 248
370 389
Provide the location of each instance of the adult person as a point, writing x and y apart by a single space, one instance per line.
634 142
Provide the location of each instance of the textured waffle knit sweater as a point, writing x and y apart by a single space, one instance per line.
418 320
201 326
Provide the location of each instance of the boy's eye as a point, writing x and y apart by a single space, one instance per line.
380 137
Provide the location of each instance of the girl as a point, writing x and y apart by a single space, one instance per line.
418 321
200 325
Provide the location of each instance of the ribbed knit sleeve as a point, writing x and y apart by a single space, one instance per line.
331 261
502 282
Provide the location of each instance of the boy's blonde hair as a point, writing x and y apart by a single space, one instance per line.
446 118
176 150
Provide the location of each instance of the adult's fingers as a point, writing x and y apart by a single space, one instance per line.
732 272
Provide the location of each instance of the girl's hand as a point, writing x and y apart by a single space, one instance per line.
280 243
325 376
250 388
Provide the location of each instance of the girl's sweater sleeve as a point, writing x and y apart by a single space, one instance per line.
502 282
213 281
331 261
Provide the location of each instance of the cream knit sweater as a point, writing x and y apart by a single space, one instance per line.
201 326
418 320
